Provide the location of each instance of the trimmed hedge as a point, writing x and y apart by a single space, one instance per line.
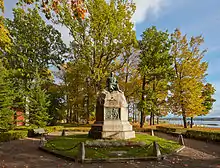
22 132
12 135
165 129
53 128
203 135
142 129
78 129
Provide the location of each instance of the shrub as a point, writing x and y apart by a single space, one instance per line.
12 135
53 128
203 135
78 129
165 129
142 129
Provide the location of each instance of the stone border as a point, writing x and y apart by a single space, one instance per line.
111 160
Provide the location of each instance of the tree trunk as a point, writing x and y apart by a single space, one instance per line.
184 119
191 123
151 118
143 99
157 120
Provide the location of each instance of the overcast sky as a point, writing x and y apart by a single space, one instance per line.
193 17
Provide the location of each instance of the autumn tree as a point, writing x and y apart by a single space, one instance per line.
187 84
102 38
156 69
54 8
4 34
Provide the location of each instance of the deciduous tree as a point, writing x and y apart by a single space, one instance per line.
187 84
155 68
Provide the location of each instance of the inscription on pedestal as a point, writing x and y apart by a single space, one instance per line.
112 113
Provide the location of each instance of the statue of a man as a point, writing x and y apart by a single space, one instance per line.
112 83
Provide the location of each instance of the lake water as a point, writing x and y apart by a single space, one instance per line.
214 124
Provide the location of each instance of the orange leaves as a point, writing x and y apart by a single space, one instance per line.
76 7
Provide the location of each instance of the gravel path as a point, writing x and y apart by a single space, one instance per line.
25 154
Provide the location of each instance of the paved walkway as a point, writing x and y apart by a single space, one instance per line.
25 154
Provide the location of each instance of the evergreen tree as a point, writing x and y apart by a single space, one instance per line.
38 104
6 99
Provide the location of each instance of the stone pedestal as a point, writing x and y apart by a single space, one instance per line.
111 117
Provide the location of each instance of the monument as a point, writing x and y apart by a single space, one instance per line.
111 114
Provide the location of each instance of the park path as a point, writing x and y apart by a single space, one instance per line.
205 147
25 154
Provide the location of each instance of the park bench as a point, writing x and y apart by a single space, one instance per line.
37 132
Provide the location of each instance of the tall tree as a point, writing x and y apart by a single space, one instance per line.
35 47
155 68
35 44
102 38
38 104
187 84
6 99
51 8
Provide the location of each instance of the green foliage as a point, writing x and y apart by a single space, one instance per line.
56 98
12 135
35 45
6 99
203 135
53 128
102 39
165 129
155 68
190 71
207 92
38 105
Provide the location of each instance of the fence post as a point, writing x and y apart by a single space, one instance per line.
82 152
180 139
63 133
156 150
42 141
152 132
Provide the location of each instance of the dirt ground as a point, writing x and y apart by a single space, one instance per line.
25 154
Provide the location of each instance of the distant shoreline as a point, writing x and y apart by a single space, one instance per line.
195 119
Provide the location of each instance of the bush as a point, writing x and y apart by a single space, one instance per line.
12 135
53 128
142 129
166 129
203 135
78 129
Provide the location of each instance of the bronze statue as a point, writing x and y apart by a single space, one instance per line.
112 83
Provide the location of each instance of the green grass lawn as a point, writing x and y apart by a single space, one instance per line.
60 145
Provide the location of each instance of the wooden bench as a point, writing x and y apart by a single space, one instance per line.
37 132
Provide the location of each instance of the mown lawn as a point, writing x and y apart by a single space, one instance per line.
69 146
